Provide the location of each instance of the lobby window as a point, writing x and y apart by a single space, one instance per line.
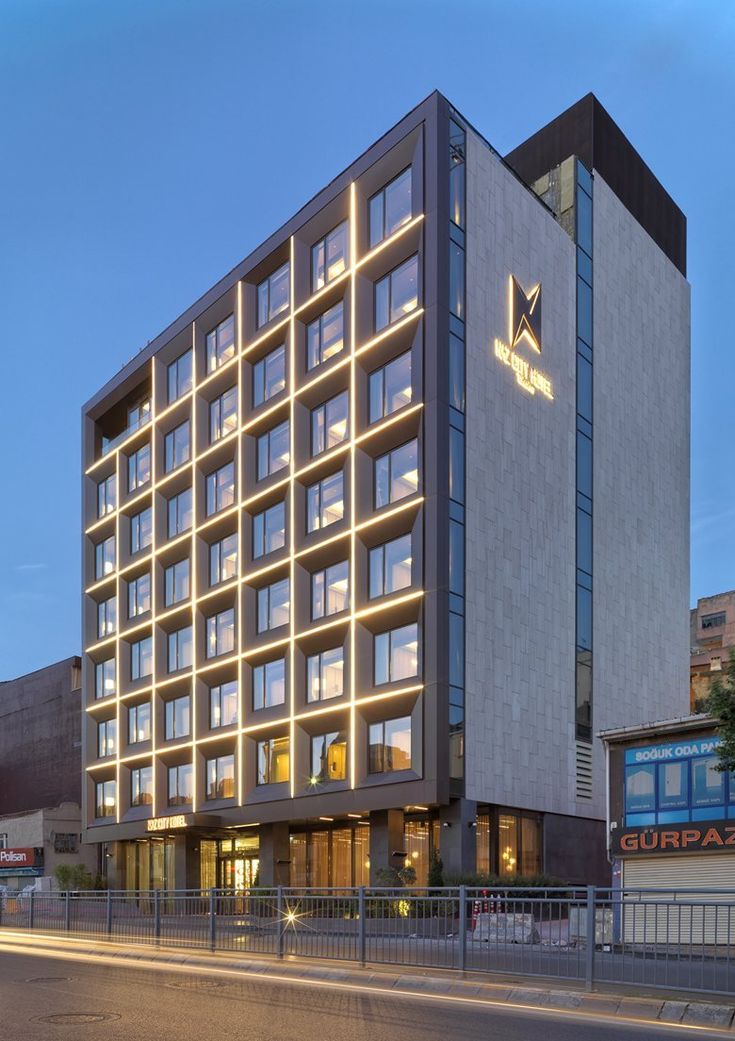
396 474
223 415
223 705
105 799
176 582
141 786
269 530
273 761
390 208
389 746
106 496
328 758
390 566
220 633
139 723
106 617
104 678
269 684
325 503
220 773
139 595
390 387
397 294
273 605
221 344
106 738
177 718
179 513
141 658
273 450
141 530
220 488
179 377
397 654
273 295
180 649
329 423
330 257
456 174
325 675
269 376
104 557
223 560
330 590
181 785
325 336
177 447
139 468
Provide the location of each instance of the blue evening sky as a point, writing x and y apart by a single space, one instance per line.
148 145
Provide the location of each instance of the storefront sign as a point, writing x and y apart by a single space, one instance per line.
677 838
11 859
167 823
524 326
670 753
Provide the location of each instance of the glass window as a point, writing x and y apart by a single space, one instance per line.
273 450
584 541
179 513
273 295
181 785
220 630
389 746
325 502
329 423
328 758
584 311
325 675
139 595
139 723
330 590
176 582
708 783
221 777
584 618
269 376
456 173
584 464
456 280
390 566
106 738
179 377
640 788
141 786
269 530
141 530
584 221
325 336
106 496
141 658
269 684
139 468
584 388
273 605
180 649
177 447
390 208
104 557
456 649
396 474
673 785
508 843
390 387
223 560
177 722
456 464
397 654
221 344
105 799
397 294
456 373
713 621
456 557
223 415
104 678
330 256
223 705
220 488
273 761
106 617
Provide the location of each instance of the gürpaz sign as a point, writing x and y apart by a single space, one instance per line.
674 838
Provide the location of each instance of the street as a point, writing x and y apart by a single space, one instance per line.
45 998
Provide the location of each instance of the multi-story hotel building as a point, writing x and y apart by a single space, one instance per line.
363 527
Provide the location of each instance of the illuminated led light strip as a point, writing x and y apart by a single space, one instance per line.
292 525
233 435
255 650
391 421
152 572
384 605
216 663
261 417
316 297
326 372
240 554
94 647
390 330
117 450
325 458
231 363
251 576
399 233
353 487
143 559
215 518
264 336
368 699
271 489
179 401
230 584
193 583
413 501
108 520
109 578
322 543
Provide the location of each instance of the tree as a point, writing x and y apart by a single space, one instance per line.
721 705
436 870
71 877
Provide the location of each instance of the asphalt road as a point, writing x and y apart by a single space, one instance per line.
123 1003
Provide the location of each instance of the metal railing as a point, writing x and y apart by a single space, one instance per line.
680 940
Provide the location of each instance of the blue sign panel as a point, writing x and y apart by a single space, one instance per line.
672 753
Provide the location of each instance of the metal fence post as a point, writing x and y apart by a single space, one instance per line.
362 925
590 959
212 919
67 912
109 913
157 913
281 919
462 927
30 911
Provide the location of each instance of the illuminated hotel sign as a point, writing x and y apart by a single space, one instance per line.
524 326
167 823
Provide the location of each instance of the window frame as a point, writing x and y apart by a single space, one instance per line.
263 550
388 279
323 409
174 366
267 285
261 366
216 357
381 194
322 245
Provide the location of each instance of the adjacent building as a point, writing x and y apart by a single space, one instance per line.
363 526
712 638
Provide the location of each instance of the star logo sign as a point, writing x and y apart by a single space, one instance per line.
525 315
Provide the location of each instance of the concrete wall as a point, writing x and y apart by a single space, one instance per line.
39 827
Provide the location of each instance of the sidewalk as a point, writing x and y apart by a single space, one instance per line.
673 1010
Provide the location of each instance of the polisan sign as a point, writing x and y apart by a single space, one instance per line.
680 838
16 858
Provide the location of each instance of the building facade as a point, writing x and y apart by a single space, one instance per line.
361 525
712 638
33 844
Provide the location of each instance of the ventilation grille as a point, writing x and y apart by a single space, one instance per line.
584 770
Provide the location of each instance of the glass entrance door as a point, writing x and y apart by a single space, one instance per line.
238 872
